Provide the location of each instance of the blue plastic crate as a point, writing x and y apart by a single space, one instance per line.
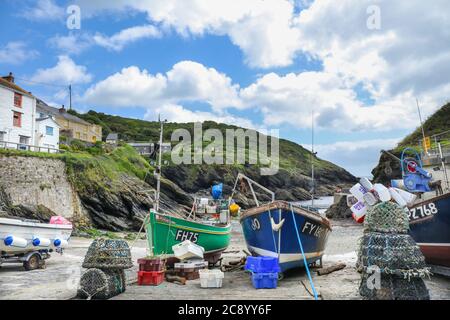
265 280
262 264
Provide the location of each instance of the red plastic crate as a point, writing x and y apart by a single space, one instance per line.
151 264
150 278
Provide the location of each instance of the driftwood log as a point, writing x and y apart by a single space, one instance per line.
330 269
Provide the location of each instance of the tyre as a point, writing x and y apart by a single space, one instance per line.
33 262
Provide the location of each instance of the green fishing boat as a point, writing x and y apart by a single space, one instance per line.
207 225
164 231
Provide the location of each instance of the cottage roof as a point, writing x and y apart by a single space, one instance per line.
13 86
41 106
112 136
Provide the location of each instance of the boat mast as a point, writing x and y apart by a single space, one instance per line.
312 160
421 126
158 168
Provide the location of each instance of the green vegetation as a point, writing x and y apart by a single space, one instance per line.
437 123
96 170
293 157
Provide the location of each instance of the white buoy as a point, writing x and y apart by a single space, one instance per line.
383 192
370 199
41 242
407 196
366 183
60 243
359 210
13 241
397 197
358 191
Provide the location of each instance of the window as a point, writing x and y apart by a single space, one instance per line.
24 140
2 136
94 139
41 115
17 119
17 100
77 135
48 130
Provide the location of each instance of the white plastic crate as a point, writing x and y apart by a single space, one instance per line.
187 249
211 278
191 264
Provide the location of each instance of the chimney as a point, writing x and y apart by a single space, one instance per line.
9 77
62 109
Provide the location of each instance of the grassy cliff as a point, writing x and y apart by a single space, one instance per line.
437 123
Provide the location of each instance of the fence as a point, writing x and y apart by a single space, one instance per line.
28 147
443 138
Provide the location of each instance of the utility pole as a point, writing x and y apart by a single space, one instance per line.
70 97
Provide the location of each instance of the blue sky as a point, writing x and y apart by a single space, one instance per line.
264 64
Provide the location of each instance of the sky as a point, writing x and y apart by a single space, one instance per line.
357 66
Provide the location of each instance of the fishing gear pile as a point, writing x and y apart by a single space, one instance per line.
106 261
388 250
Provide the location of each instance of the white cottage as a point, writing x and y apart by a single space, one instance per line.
17 114
47 134
20 126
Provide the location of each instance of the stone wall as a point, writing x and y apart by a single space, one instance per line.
38 181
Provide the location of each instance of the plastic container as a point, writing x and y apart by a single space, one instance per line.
190 266
359 211
223 216
211 278
150 278
151 264
187 249
188 275
265 280
262 264
383 192
358 191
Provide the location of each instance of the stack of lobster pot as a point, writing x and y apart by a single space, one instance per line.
391 263
105 261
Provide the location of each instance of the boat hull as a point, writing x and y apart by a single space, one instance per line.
430 228
166 231
263 240
28 231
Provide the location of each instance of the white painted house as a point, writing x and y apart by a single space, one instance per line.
20 126
47 134
17 113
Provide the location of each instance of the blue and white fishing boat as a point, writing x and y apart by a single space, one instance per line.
281 229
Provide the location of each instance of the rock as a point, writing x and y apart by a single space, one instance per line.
339 210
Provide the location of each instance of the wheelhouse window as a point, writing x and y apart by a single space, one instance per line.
17 100
48 130
17 119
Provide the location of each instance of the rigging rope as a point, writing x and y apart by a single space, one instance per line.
303 254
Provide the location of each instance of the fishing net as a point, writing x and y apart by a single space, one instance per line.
392 288
101 284
395 254
387 217
108 254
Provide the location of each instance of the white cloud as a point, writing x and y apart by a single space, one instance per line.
264 30
16 52
44 10
293 97
359 157
71 43
117 41
66 71
186 81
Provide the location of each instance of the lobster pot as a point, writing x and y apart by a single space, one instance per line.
108 254
395 254
393 288
101 284
387 217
